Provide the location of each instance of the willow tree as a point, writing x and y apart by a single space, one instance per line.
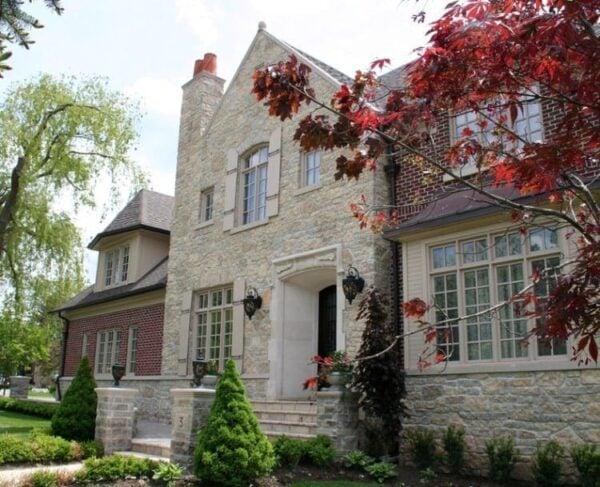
62 141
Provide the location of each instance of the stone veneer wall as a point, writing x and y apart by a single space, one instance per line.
528 406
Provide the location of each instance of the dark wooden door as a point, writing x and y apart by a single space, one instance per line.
327 321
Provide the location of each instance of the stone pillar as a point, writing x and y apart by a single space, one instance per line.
337 418
189 413
115 418
19 386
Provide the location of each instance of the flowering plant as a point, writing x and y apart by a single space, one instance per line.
337 361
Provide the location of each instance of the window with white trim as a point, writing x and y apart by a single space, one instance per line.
116 266
214 324
469 276
254 186
108 344
310 168
206 205
132 345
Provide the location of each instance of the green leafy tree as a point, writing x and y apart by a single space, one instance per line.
15 25
232 450
75 418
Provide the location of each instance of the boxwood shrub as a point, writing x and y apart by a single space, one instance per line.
33 408
43 448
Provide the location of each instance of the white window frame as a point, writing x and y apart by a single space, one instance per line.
207 205
213 324
106 356
310 169
491 263
133 337
524 115
254 168
116 265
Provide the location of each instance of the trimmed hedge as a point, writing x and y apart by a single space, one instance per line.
33 408
115 467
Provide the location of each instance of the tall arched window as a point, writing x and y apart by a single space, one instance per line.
254 190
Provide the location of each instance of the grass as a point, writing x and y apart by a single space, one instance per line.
332 483
40 394
20 424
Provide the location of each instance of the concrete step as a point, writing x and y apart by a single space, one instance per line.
159 447
143 455
296 406
289 427
272 435
294 416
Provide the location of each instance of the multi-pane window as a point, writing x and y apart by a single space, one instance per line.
206 205
116 266
132 349
107 350
214 324
311 168
469 277
254 177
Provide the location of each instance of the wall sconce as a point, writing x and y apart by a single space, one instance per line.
252 302
352 284
118 371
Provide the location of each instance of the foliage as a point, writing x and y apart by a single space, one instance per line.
547 465
454 448
357 459
338 361
14 450
379 379
587 461
43 478
168 473
492 58
381 471
427 476
320 451
288 451
232 450
40 448
91 448
43 410
115 467
75 418
422 447
502 456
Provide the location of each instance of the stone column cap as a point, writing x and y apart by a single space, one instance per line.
192 392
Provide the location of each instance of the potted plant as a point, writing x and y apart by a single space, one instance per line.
335 370
212 375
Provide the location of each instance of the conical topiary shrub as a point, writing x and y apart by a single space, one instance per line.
232 450
75 418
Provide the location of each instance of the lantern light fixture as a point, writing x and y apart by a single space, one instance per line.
118 371
252 302
199 367
352 284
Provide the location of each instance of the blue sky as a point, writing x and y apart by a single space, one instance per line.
146 48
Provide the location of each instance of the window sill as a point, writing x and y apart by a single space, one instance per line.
464 172
539 365
249 226
205 224
307 189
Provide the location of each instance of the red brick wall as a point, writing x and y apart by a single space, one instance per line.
148 319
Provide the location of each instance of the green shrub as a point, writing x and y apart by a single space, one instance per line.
33 408
357 460
115 467
75 418
502 456
454 448
46 448
320 451
15 450
168 473
289 452
91 448
422 447
43 478
381 471
232 450
587 461
547 465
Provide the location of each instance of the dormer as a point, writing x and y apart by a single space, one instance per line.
134 242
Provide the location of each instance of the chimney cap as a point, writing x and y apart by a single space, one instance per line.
208 64
262 25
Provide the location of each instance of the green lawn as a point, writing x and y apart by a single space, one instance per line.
332 483
20 424
40 395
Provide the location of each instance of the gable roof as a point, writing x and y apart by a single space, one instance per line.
155 278
148 209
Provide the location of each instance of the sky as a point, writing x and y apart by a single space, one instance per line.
147 48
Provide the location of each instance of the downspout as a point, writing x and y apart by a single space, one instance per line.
392 170
64 354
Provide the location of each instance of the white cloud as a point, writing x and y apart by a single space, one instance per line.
200 17
159 95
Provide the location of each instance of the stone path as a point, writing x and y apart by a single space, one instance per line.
12 476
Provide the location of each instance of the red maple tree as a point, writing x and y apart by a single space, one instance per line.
490 58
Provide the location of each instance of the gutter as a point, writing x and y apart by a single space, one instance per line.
64 353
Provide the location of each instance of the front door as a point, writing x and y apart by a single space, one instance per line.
327 321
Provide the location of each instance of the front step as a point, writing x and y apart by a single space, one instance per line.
295 419
143 455
158 447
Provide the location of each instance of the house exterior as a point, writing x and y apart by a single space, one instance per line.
466 255
120 317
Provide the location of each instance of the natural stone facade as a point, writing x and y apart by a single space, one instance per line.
530 407
19 386
337 418
115 418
